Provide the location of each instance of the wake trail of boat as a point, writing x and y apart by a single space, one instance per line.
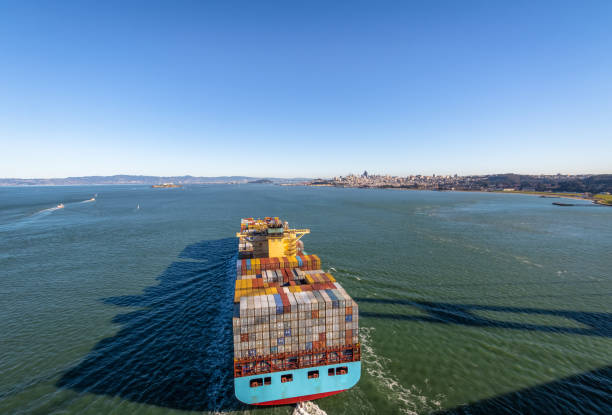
48 210
308 408
30 219
40 214
411 400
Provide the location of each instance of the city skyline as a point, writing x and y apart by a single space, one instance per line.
305 90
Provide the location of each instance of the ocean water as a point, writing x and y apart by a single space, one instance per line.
469 302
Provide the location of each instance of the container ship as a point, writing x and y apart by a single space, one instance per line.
295 327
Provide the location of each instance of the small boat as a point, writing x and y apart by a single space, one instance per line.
562 204
60 206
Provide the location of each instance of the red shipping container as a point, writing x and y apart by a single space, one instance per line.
285 301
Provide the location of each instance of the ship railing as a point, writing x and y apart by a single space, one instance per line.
296 360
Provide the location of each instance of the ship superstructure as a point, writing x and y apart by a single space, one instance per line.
295 327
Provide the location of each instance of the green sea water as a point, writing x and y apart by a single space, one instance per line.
469 302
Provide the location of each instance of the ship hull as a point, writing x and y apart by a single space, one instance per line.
297 399
301 388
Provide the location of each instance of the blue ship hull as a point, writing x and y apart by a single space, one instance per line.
300 388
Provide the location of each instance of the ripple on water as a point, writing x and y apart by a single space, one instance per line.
176 350
410 399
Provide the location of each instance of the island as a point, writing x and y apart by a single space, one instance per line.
261 181
166 185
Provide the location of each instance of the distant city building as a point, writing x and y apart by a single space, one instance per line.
497 182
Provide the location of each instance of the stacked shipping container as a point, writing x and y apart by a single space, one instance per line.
294 321
253 266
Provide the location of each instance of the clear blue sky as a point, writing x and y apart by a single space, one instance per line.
304 88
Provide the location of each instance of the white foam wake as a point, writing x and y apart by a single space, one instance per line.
308 408
48 210
410 400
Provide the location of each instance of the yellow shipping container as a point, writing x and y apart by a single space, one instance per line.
293 263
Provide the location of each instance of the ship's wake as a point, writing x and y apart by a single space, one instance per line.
48 210
26 219
410 400
308 408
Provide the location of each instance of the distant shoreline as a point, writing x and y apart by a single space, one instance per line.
131 180
600 199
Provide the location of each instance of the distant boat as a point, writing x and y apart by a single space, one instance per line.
562 204
60 206
138 206
93 199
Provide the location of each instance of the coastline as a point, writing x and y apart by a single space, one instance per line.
602 200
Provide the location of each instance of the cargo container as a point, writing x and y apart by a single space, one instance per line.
295 328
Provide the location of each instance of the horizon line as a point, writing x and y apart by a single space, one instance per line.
302 177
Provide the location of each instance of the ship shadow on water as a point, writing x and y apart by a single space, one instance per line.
585 393
176 350
594 324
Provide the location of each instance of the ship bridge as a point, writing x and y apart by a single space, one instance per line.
269 237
